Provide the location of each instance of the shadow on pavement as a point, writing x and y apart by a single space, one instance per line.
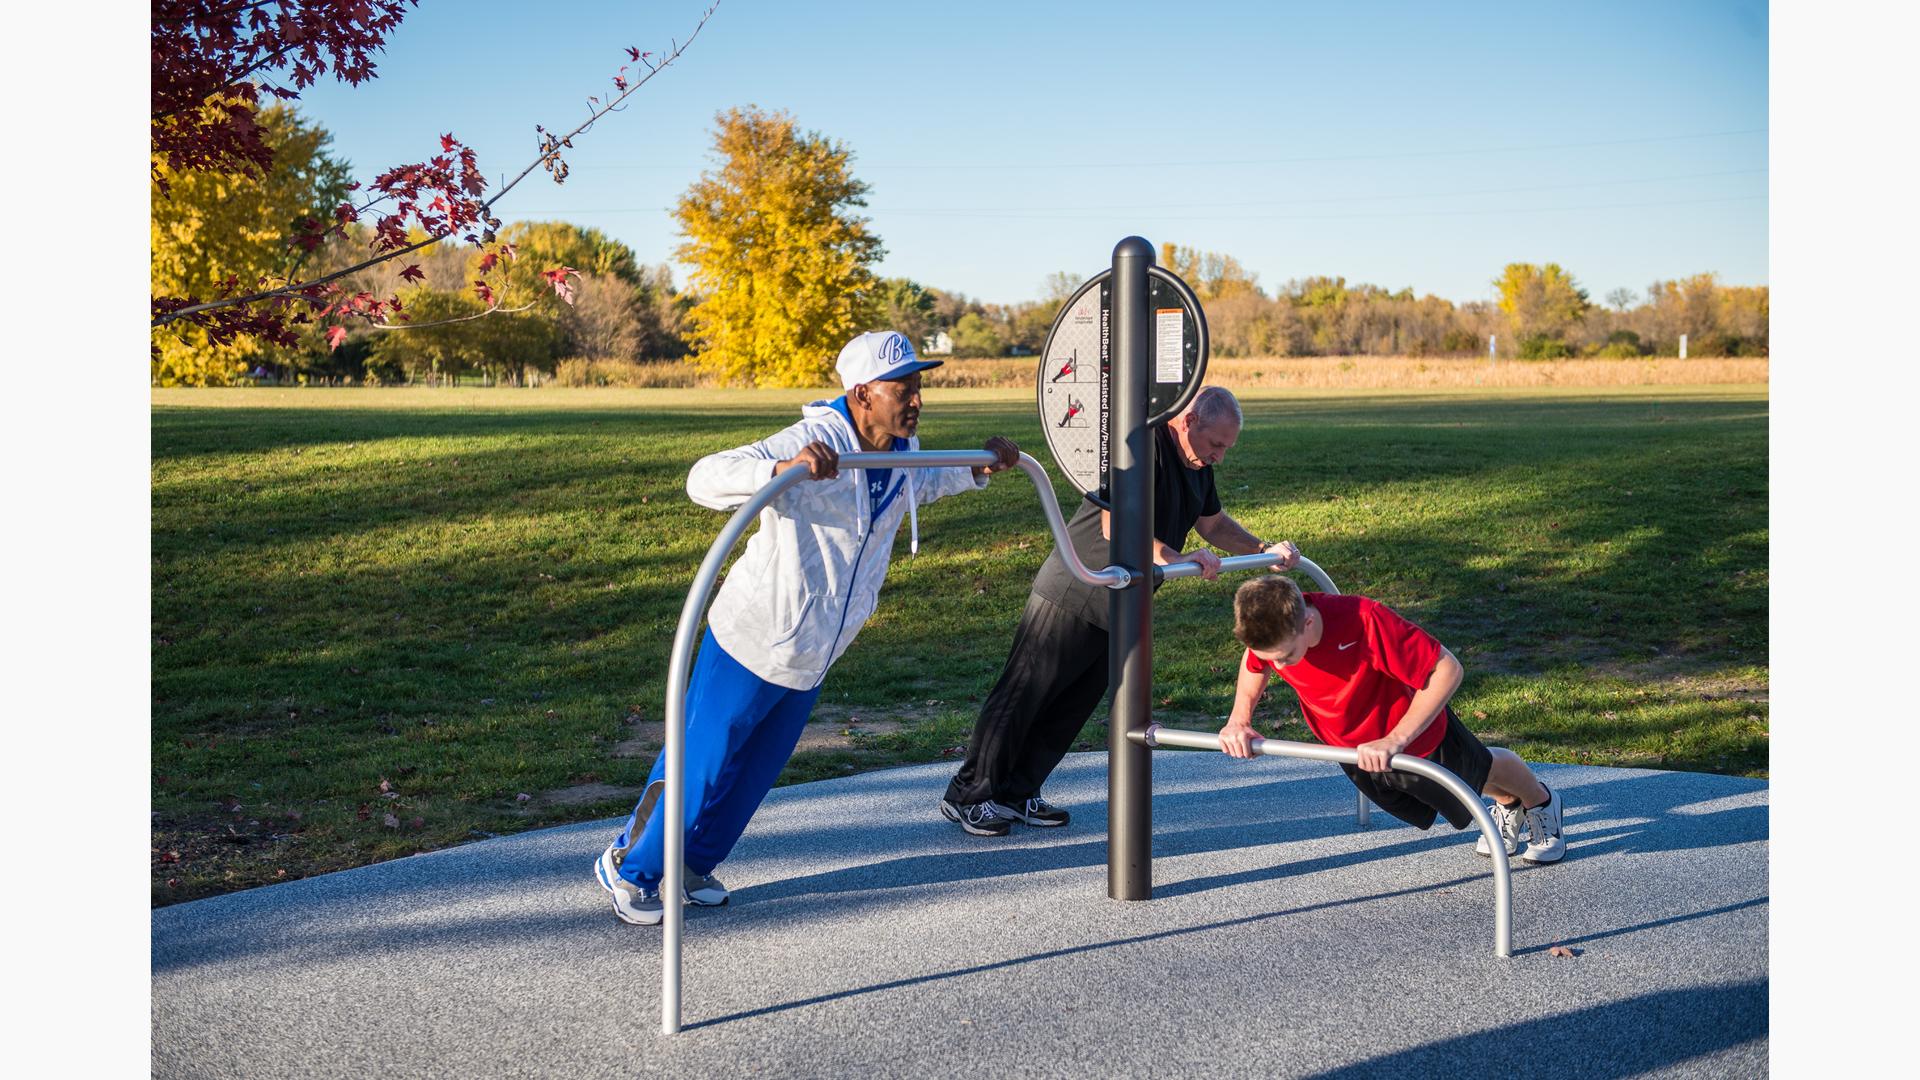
1670 921
1052 954
1657 1030
330 917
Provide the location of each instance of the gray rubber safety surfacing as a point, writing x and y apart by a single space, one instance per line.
869 936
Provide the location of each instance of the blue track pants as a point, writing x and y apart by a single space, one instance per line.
741 730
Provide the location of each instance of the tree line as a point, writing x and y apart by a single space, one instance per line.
783 274
1540 313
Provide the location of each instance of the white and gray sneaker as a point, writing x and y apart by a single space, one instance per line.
1545 845
703 890
1511 821
1035 811
631 903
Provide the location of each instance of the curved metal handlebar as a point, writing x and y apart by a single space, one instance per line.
1248 562
1111 577
680 664
1156 736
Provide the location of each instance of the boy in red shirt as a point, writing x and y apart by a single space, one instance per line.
1370 680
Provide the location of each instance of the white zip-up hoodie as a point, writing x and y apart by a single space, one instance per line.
811 573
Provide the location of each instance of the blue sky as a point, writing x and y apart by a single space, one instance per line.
1404 145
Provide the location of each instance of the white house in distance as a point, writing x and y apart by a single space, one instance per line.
940 344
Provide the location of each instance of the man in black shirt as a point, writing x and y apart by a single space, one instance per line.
1057 669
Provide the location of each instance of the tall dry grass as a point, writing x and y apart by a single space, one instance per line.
1403 372
1292 372
652 374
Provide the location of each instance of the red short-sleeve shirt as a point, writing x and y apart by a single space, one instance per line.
1356 684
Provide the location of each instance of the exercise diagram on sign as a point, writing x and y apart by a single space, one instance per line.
1069 388
1075 369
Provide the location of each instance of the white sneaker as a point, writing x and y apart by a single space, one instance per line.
703 890
631 903
1511 821
1543 826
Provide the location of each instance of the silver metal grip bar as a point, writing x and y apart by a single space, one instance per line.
680 664
1157 736
1362 810
1249 562
1111 577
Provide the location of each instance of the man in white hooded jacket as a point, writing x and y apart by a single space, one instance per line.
788 609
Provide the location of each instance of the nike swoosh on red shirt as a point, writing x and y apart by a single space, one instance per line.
1347 646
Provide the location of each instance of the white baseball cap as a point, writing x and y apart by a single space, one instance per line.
878 355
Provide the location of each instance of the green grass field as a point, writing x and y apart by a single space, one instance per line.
464 597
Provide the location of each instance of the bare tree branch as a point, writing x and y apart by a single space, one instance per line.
298 286
654 70
449 322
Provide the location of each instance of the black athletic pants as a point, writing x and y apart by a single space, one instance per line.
1055 675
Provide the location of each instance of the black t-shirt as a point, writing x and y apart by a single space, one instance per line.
1181 496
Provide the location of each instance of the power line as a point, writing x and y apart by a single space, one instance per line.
1078 214
1435 213
1335 199
1005 165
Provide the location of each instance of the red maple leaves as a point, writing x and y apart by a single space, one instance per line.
211 62
562 281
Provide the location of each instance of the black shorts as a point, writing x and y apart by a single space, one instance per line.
1416 799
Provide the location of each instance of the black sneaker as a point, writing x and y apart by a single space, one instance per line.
980 819
1036 811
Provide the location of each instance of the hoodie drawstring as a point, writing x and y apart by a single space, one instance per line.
913 516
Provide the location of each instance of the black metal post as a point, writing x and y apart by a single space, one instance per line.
1130 610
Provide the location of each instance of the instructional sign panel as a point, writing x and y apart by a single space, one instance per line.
1169 344
1076 368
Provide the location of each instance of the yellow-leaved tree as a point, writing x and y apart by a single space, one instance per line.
1542 304
1211 275
781 264
208 227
